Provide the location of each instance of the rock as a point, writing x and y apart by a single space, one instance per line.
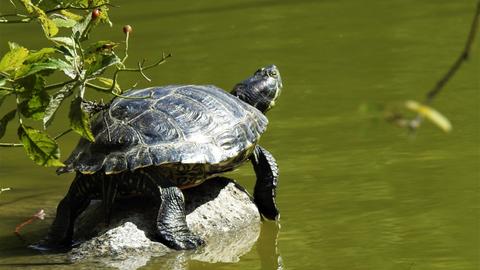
219 210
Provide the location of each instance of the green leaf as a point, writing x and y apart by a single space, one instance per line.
105 46
34 107
63 41
39 55
48 25
80 120
30 85
64 22
4 121
13 59
12 45
49 64
71 15
98 62
55 102
40 147
81 29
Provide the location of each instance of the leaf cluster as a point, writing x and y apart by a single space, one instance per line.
25 74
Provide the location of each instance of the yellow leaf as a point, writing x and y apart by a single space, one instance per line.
48 25
431 114
13 59
71 15
108 82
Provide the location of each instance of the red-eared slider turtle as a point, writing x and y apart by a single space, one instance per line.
177 138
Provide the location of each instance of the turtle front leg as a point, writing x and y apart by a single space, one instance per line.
60 234
171 221
267 173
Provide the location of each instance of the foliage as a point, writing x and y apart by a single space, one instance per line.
25 73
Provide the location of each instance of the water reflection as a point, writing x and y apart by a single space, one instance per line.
267 247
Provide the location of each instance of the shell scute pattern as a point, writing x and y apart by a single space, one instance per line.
212 104
179 125
115 163
156 127
90 163
129 109
189 115
139 158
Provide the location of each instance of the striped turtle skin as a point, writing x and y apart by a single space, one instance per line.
192 132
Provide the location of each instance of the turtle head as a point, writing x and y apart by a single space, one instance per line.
260 90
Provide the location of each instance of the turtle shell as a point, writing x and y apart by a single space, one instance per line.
176 124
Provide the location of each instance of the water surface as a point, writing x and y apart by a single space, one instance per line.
355 192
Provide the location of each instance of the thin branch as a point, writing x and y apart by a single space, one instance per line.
58 85
127 35
460 60
96 87
133 97
415 123
140 69
77 8
11 144
103 89
62 134
6 88
26 20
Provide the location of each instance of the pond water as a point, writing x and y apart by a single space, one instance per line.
355 192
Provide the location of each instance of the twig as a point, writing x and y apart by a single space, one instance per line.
39 215
62 134
140 69
415 123
127 35
11 144
26 20
58 85
462 58
78 8
30 18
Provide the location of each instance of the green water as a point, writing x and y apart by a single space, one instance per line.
355 192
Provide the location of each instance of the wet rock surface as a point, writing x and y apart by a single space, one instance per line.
219 210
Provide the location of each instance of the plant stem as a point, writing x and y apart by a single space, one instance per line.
139 69
62 134
416 122
11 144
460 60
58 85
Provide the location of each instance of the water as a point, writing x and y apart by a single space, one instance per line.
355 192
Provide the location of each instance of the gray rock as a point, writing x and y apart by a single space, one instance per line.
219 210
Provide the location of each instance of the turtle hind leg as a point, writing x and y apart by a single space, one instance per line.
171 221
60 234
267 172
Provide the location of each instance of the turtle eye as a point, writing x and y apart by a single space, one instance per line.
273 73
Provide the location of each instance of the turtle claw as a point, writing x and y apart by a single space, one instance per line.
45 245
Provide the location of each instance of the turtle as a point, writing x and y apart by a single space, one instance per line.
159 141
